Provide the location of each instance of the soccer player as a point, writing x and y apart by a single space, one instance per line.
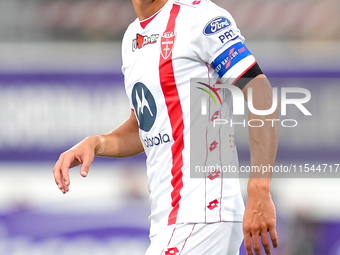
170 42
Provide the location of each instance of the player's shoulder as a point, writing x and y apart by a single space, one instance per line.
206 15
200 6
196 4
130 30
128 34
203 11
132 26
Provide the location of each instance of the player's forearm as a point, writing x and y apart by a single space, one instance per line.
118 144
263 140
263 147
124 141
263 144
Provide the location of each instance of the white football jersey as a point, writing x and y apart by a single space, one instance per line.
183 40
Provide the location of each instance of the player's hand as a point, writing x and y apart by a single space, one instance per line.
258 220
82 153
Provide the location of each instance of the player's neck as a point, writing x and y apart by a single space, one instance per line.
146 8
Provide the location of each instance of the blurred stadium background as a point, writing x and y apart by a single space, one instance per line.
60 81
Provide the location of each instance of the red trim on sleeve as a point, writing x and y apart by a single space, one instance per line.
169 88
243 73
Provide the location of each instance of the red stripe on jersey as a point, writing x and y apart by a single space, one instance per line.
168 84
243 73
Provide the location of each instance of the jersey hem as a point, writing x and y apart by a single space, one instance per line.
225 218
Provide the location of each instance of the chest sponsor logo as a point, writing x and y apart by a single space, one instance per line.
156 140
167 44
144 105
140 41
216 25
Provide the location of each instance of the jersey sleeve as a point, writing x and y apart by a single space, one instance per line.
217 41
124 50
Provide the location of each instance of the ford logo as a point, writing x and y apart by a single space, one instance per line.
216 25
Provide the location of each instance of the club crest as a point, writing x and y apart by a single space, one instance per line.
167 44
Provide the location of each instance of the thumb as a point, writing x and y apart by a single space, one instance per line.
84 170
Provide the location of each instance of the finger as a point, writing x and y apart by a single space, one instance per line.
75 163
256 244
65 170
84 170
57 173
64 187
265 241
273 237
247 244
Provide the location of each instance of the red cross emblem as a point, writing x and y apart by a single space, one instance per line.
213 204
167 44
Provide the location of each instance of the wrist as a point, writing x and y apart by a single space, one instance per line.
258 186
95 143
100 145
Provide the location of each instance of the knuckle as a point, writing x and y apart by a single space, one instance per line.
265 240
271 225
257 249
56 177
59 185
246 228
249 251
67 154
258 252
265 244
255 227
263 225
64 170
62 155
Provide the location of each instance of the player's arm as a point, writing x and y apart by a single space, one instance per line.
223 48
124 141
260 215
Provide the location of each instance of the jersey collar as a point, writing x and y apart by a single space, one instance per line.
145 22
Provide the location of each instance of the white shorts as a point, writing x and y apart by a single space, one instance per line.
221 238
